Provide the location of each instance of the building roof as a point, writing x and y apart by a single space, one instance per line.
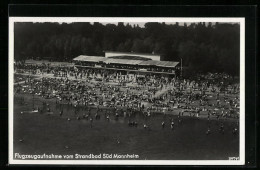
90 58
125 61
122 61
160 63
30 61
130 57
40 62
134 53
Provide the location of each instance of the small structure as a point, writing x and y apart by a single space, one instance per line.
153 56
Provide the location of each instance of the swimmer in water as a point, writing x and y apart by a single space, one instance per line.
108 118
117 115
91 120
208 131
172 125
234 131
163 124
61 112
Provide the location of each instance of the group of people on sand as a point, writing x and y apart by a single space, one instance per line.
146 94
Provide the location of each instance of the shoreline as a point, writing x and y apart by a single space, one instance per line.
169 113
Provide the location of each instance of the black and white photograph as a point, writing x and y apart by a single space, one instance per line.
127 91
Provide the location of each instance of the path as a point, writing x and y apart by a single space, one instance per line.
157 94
160 92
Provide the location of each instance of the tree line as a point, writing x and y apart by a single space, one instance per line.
204 47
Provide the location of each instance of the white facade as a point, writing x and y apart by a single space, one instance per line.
151 56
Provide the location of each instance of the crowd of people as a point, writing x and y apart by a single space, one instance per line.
123 94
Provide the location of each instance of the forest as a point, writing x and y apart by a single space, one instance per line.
203 47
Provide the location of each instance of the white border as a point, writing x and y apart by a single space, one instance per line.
128 162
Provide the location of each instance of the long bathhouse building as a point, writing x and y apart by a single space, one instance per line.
129 62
